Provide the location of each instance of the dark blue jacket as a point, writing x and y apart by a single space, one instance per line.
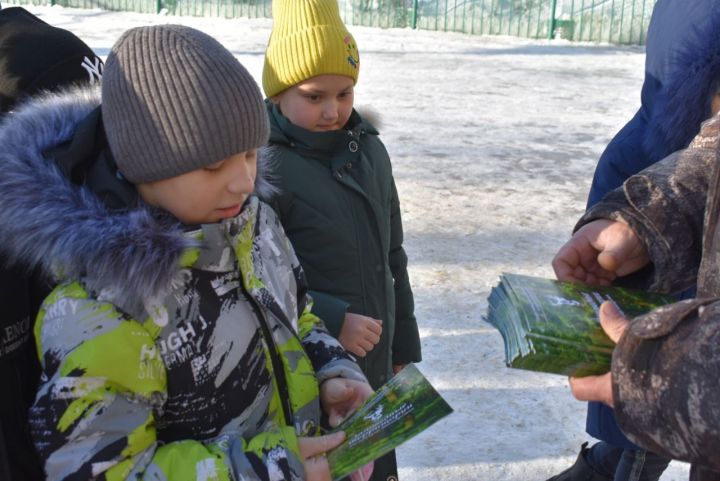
682 73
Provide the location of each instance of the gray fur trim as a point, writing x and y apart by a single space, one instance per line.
370 115
47 222
265 180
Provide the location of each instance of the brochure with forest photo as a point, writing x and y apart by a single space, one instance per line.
405 406
552 326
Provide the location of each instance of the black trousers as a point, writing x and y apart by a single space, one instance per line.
385 468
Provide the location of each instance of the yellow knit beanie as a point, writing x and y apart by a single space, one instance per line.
308 39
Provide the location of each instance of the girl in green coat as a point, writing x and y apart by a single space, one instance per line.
338 203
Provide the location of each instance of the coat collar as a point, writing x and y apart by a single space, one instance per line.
334 149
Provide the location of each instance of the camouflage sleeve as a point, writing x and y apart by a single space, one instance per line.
665 381
665 205
103 390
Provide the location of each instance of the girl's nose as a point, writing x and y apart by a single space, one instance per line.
330 110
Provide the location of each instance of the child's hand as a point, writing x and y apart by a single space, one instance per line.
313 450
359 334
341 397
398 367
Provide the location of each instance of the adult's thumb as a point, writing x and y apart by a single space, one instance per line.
612 320
612 259
620 250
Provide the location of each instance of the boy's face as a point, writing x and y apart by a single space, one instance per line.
318 104
206 195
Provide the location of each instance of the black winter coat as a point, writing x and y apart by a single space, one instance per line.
19 372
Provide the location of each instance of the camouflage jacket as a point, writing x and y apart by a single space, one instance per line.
665 368
168 352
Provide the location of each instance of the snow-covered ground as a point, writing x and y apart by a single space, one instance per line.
494 142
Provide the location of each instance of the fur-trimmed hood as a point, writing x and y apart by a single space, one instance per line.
684 99
47 222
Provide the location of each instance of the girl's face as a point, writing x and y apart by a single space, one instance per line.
318 104
207 195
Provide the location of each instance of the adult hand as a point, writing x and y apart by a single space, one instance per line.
360 334
341 397
599 388
599 252
313 452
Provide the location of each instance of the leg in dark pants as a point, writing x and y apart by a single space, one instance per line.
698 473
385 468
605 462
624 464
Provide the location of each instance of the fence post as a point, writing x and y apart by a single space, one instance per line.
413 20
551 24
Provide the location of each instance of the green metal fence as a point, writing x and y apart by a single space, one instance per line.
611 21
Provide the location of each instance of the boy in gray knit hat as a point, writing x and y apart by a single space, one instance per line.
179 343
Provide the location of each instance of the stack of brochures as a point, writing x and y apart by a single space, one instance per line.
552 326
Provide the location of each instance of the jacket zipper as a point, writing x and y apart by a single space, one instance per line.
278 367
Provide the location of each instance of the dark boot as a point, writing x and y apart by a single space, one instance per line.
581 470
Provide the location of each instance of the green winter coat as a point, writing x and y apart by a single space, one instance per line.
339 207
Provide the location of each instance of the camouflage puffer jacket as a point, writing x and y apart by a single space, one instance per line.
666 367
168 352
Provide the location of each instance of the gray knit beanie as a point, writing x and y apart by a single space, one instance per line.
175 100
